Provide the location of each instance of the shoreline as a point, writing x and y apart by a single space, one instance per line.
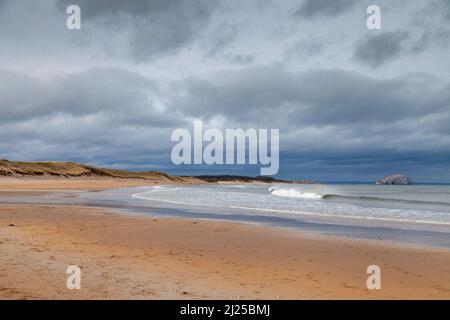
116 195
132 256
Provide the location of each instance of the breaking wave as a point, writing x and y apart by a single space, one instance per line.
293 193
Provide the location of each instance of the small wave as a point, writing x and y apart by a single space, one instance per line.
293 193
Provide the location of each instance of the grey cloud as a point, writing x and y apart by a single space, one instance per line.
102 114
434 10
241 59
99 8
313 8
326 111
377 49
435 38
315 96
221 36
421 43
432 23
242 64
303 48
156 27
88 92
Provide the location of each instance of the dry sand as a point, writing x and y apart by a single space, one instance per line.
134 257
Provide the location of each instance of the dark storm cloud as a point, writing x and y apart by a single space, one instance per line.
316 97
157 26
313 8
377 49
235 65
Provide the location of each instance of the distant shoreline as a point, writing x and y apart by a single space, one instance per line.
72 170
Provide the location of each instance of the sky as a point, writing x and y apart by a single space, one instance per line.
352 104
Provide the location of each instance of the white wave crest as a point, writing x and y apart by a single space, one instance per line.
293 193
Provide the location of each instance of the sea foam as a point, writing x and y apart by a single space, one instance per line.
294 193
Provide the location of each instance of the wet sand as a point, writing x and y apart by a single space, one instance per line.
17 185
140 257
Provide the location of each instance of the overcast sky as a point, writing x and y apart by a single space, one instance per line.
350 103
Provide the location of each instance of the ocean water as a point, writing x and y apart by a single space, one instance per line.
424 205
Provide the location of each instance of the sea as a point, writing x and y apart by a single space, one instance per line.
368 204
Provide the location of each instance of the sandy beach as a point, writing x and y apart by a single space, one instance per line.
124 256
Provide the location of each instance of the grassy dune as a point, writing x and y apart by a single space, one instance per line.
71 169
